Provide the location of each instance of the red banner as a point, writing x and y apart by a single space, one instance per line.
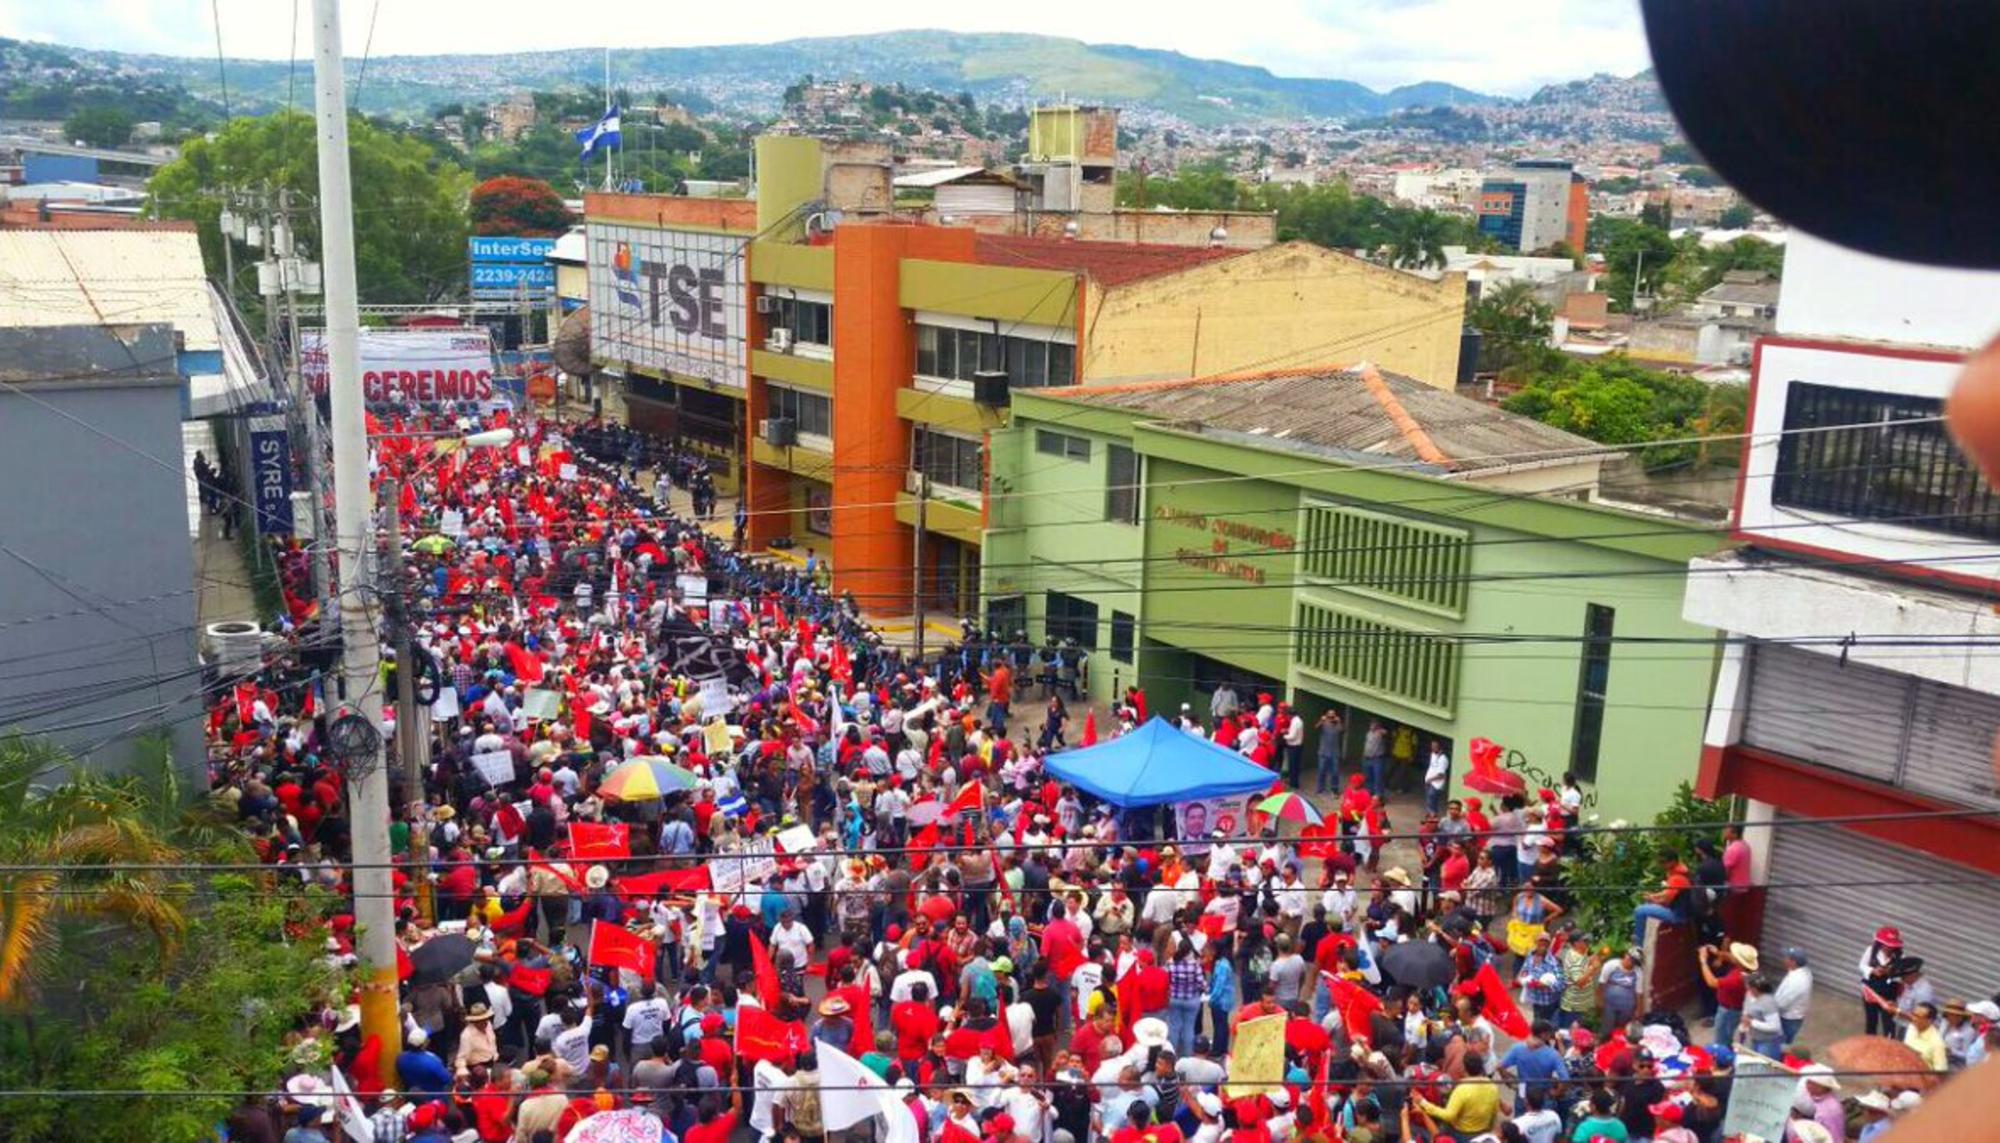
615 947
762 1036
599 841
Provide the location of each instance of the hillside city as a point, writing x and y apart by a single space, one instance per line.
946 587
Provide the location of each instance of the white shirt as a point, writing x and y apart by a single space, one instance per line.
1539 1126
645 1020
1794 994
573 1044
899 989
984 1082
1295 732
1339 905
1082 984
1030 1113
1438 771
501 1003
768 1079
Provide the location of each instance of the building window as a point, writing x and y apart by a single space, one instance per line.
1062 445
1067 617
1416 668
812 412
1879 456
956 461
810 322
1030 363
1121 485
1381 554
1122 626
1593 683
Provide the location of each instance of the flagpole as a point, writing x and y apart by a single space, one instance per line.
607 110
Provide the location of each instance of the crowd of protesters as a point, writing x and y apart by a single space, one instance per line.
862 859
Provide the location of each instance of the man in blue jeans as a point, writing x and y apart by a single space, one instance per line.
1330 729
1663 906
1375 759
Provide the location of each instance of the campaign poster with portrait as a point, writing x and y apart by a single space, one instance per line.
1195 822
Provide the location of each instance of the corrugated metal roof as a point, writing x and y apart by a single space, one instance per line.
1337 412
98 277
920 180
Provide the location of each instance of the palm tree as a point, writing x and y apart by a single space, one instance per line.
1419 241
88 824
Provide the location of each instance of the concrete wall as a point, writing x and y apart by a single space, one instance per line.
1831 291
1286 307
108 531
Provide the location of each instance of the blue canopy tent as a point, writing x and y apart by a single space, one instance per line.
1158 764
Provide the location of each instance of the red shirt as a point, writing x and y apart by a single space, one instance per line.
915 1024
1088 1043
1157 1133
1062 946
714 1131
716 1054
1451 877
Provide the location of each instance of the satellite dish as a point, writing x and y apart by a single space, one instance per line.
572 350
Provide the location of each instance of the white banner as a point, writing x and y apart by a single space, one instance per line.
413 366
445 707
496 766
694 589
1195 822
669 301
760 860
715 698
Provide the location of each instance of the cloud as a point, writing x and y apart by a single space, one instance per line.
1508 48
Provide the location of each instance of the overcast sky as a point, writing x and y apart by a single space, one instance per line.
1508 48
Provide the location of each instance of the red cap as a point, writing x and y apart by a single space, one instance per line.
1474 804
1668 1110
1889 936
711 1022
1582 1038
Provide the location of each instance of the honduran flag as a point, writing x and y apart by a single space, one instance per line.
601 135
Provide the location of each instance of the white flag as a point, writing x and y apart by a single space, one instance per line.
850 1093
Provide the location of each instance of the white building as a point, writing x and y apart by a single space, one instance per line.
1439 190
1861 676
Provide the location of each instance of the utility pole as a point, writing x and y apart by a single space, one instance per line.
917 565
308 405
412 740
368 791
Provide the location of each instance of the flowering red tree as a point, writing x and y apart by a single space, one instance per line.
521 207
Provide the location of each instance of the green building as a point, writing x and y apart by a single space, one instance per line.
1360 541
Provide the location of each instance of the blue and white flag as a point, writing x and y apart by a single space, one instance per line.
600 135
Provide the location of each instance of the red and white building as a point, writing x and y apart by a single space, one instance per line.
1862 672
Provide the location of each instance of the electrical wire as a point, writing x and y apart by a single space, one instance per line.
946 848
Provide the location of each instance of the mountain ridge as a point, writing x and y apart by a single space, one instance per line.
750 78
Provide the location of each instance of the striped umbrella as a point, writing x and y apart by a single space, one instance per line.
1291 806
646 779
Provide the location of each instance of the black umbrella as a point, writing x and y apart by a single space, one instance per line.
439 959
1419 965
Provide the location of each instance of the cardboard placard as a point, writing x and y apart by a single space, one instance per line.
1760 1099
445 707
451 522
1257 1056
541 706
1230 909
715 698
715 738
693 589
496 766
798 839
721 613
1196 821
760 861
725 872
567 472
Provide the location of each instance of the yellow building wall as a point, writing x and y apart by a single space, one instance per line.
1286 307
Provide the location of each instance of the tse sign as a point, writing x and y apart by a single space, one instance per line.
668 302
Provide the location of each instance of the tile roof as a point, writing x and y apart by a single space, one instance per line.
1106 263
1359 414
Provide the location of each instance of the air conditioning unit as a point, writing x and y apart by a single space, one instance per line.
989 387
779 432
767 304
780 341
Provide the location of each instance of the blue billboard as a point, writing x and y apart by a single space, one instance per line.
271 476
503 280
503 248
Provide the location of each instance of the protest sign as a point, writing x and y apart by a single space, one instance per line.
1257 1056
496 766
1760 1098
1195 822
797 839
541 705
446 705
715 698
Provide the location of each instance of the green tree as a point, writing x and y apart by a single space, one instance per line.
1419 240
1738 217
1614 402
1515 322
1640 256
171 981
516 206
99 127
409 203
1607 885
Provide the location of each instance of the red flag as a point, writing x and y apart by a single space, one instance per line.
515 922
671 881
858 1011
527 668
971 797
403 966
582 723
1500 1007
1089 729
1357 1005
842 667
533 981
762 1036
1317 1100
614 947
599 841
926 839
306 703
766 974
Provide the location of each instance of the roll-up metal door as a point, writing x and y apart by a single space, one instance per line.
1953 927
1812 707
1950 754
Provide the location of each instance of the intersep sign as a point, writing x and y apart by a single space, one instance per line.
498 248
668 301
413 366
505 266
